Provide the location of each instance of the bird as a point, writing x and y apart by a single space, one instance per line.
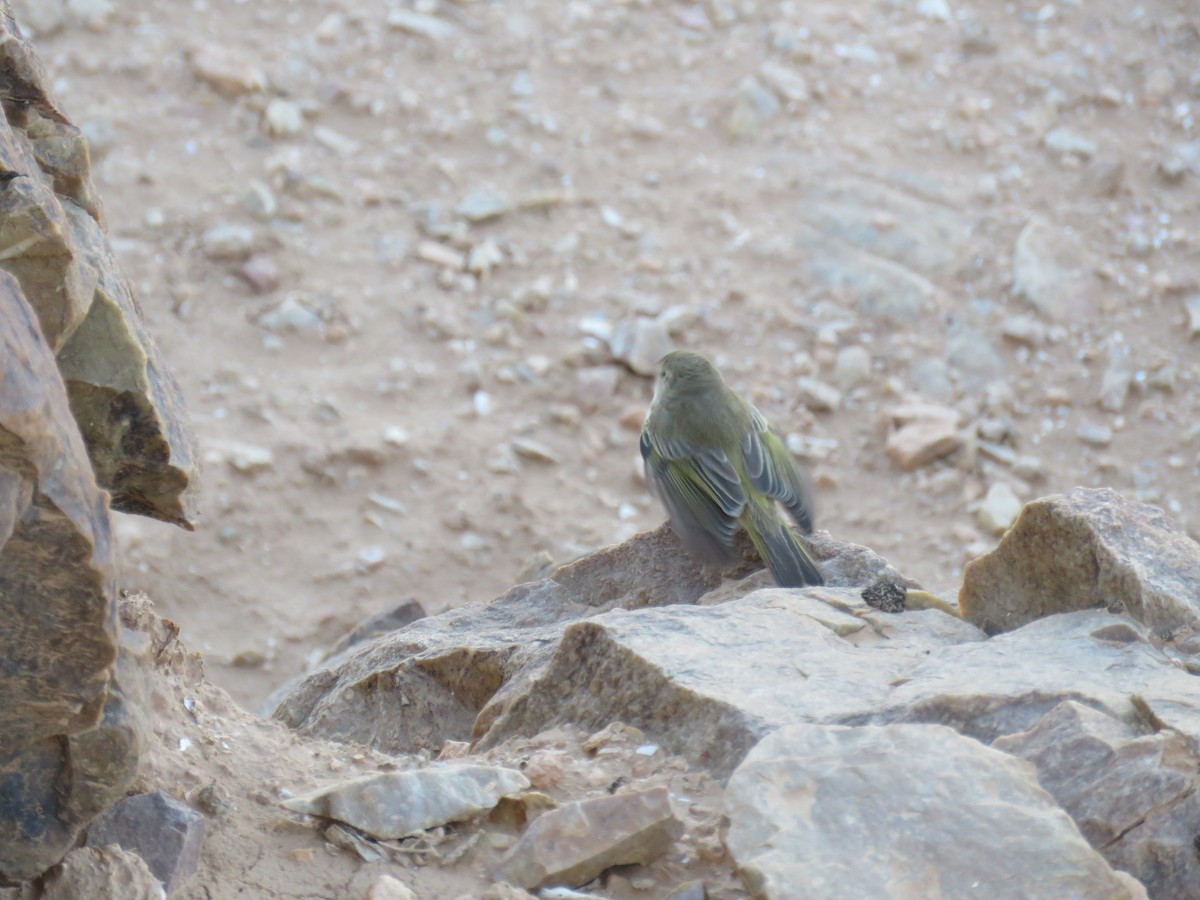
716 464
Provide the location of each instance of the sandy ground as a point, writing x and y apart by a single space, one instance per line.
401 428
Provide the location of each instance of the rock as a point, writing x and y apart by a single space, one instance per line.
40 18
963 820
284 118
420 24
999 509
1093 434
396 804
66 735
385 887
713 715
573 844
935 10
1082 549
261 272
689 890
292 314
1050 271
1191 305
1065 142
165 833
817 395
1023 330
229 242
92 13
921 433
785 81
392 619
1118 375
640 342
973 356
226 70
482 206
126 401
753 106
102 873
459 671
1132 795
1093 657
852 367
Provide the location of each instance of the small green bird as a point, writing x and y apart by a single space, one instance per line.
716 463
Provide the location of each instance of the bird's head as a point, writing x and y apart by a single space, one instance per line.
685 371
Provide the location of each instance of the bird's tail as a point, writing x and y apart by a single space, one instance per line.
780 549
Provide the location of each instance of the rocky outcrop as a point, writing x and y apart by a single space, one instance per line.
836 723
70 724
65 750
125 400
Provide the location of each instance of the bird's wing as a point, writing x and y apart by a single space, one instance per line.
700 489
771 470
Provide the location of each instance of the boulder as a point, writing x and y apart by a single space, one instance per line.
903 811
1086 548
68 740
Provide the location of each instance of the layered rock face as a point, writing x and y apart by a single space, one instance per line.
87 412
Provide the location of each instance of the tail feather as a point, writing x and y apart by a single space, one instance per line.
782 551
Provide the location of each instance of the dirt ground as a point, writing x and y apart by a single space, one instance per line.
380 422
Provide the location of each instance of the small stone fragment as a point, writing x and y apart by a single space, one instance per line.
817 395
640 342
1023 330
529 448
291 315
441 255
395 804
1050 270
753 105
1118 376
1191 305
482 206
787 82
1068 143
852 367
284 118
922 433
226 70
999 509
935 10
228 242
885 596
165 833
261 272
385 887
1093 434
690 890
420 24
573 844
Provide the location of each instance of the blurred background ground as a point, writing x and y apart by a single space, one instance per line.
388 249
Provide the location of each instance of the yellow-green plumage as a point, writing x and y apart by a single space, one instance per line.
716 464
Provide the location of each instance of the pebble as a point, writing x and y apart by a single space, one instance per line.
261 272
1114 386
1067 143
440 254
92 13
1095 435
934 10
290 315
335 141
484 257
852 367
430 27
1023 330
259 200
481 206
752 107
786 82
999 509
283 118
385 887
244 458
817 395
535 450
1191 305
226 71
230 241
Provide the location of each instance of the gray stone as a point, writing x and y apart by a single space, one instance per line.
165 833
852 367
1051 271
772 658
999 509
1092 657
1134 796
396 804
1082 549
102 873
573 844
918 810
